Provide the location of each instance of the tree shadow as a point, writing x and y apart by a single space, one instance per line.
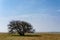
29 35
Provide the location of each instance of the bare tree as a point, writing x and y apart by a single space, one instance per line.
20 26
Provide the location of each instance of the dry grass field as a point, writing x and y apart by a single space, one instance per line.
37 36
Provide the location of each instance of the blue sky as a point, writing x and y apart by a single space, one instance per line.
44 15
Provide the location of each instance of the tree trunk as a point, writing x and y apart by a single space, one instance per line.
21 33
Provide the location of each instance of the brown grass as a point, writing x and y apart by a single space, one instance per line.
37 36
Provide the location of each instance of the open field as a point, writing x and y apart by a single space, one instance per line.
36 36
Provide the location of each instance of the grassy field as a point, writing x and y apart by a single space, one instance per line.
36 36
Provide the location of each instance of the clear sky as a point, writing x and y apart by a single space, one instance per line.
44 15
